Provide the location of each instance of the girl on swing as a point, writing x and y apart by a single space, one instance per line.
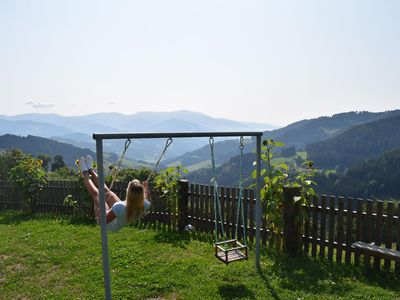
118 213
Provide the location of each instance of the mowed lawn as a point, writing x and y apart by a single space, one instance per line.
50 258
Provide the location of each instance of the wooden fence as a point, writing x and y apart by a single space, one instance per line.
334 223
50 199
331 224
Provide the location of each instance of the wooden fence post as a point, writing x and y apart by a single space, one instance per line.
183 199
291 221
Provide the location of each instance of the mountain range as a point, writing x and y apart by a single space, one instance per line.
298 135
359 160
78 130
345 141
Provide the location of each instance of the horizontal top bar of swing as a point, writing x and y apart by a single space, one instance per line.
154 135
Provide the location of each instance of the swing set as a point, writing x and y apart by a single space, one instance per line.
229 250
225 250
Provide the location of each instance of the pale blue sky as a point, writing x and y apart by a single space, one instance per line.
264 61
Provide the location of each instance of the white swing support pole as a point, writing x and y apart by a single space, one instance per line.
102 203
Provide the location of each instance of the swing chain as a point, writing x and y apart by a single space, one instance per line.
167 144
115 170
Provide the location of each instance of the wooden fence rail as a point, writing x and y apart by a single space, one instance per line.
331 224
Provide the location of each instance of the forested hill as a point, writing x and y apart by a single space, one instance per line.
227 173
305 132
374 178
356 144
298 134
38 145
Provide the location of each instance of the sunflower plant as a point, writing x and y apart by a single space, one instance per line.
277 176
29 177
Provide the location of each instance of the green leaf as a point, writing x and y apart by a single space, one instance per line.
284 166
295 184
279 144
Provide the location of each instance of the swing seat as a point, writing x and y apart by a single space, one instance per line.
230 251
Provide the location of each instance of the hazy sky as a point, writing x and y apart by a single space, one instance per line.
264 61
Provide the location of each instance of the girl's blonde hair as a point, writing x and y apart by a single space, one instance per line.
134 201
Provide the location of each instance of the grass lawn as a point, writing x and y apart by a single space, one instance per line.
50 258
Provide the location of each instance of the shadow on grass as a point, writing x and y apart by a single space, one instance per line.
271 290
175 238
15 217
321 277
18 217
235 291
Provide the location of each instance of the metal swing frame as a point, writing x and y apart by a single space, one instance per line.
99 137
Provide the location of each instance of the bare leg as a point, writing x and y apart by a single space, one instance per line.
90 186
94 192
95 179
111 197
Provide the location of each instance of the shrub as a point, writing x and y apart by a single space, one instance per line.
29 178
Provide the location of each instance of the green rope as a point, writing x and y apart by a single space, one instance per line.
240 207
217 202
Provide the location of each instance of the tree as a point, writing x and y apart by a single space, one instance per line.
288 152
46 160
58 162
63 173
130 174
8 159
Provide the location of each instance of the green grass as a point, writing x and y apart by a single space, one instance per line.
49 258
194 167
200 165
278 160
